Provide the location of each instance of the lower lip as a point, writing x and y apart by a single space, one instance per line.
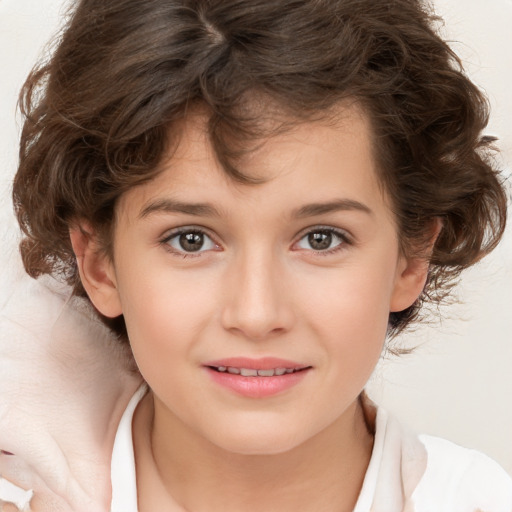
257 387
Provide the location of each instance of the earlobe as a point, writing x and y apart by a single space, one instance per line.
412 273
96 271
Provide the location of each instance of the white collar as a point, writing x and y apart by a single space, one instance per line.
384 484
122 472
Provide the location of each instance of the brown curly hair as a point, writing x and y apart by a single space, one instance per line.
99 112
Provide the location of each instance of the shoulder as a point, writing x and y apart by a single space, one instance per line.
462 480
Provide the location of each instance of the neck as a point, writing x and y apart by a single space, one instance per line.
180 470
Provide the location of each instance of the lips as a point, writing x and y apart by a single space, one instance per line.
253 372
262 363
256 378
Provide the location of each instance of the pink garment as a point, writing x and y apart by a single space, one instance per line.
64 384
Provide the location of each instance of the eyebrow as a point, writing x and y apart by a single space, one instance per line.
314 209
208 210
171 206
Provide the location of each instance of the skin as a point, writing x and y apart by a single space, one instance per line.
256 288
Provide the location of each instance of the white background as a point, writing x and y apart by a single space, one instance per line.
458 383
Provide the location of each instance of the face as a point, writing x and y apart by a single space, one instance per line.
257 313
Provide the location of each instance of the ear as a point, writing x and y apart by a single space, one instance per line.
96 271
412 273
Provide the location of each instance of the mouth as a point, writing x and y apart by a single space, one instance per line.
257 378
254 372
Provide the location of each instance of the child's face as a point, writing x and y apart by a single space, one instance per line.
304 268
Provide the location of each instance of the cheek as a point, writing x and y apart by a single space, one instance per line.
161 322
349 314
351 299
164 310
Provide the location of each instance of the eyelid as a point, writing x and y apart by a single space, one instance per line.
342 234
175 232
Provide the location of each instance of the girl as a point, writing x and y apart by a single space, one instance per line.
254 196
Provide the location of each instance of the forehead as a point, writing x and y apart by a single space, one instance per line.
323 159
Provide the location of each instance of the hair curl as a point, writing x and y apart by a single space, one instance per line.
99 113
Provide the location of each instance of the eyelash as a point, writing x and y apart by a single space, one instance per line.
343 237
182 231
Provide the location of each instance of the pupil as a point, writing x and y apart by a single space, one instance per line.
320 241
191 241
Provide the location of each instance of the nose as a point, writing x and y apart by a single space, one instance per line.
257 304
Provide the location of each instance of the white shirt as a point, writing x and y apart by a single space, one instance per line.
406 472
124 480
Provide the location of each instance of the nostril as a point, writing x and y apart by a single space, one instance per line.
3 452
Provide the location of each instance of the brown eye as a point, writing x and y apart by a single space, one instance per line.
190 241
320 241
323 240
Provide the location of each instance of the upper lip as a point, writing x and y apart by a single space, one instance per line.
263 363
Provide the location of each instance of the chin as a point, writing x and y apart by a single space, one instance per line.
258 441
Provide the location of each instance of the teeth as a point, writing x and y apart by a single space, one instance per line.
266 373
246 372
251 372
